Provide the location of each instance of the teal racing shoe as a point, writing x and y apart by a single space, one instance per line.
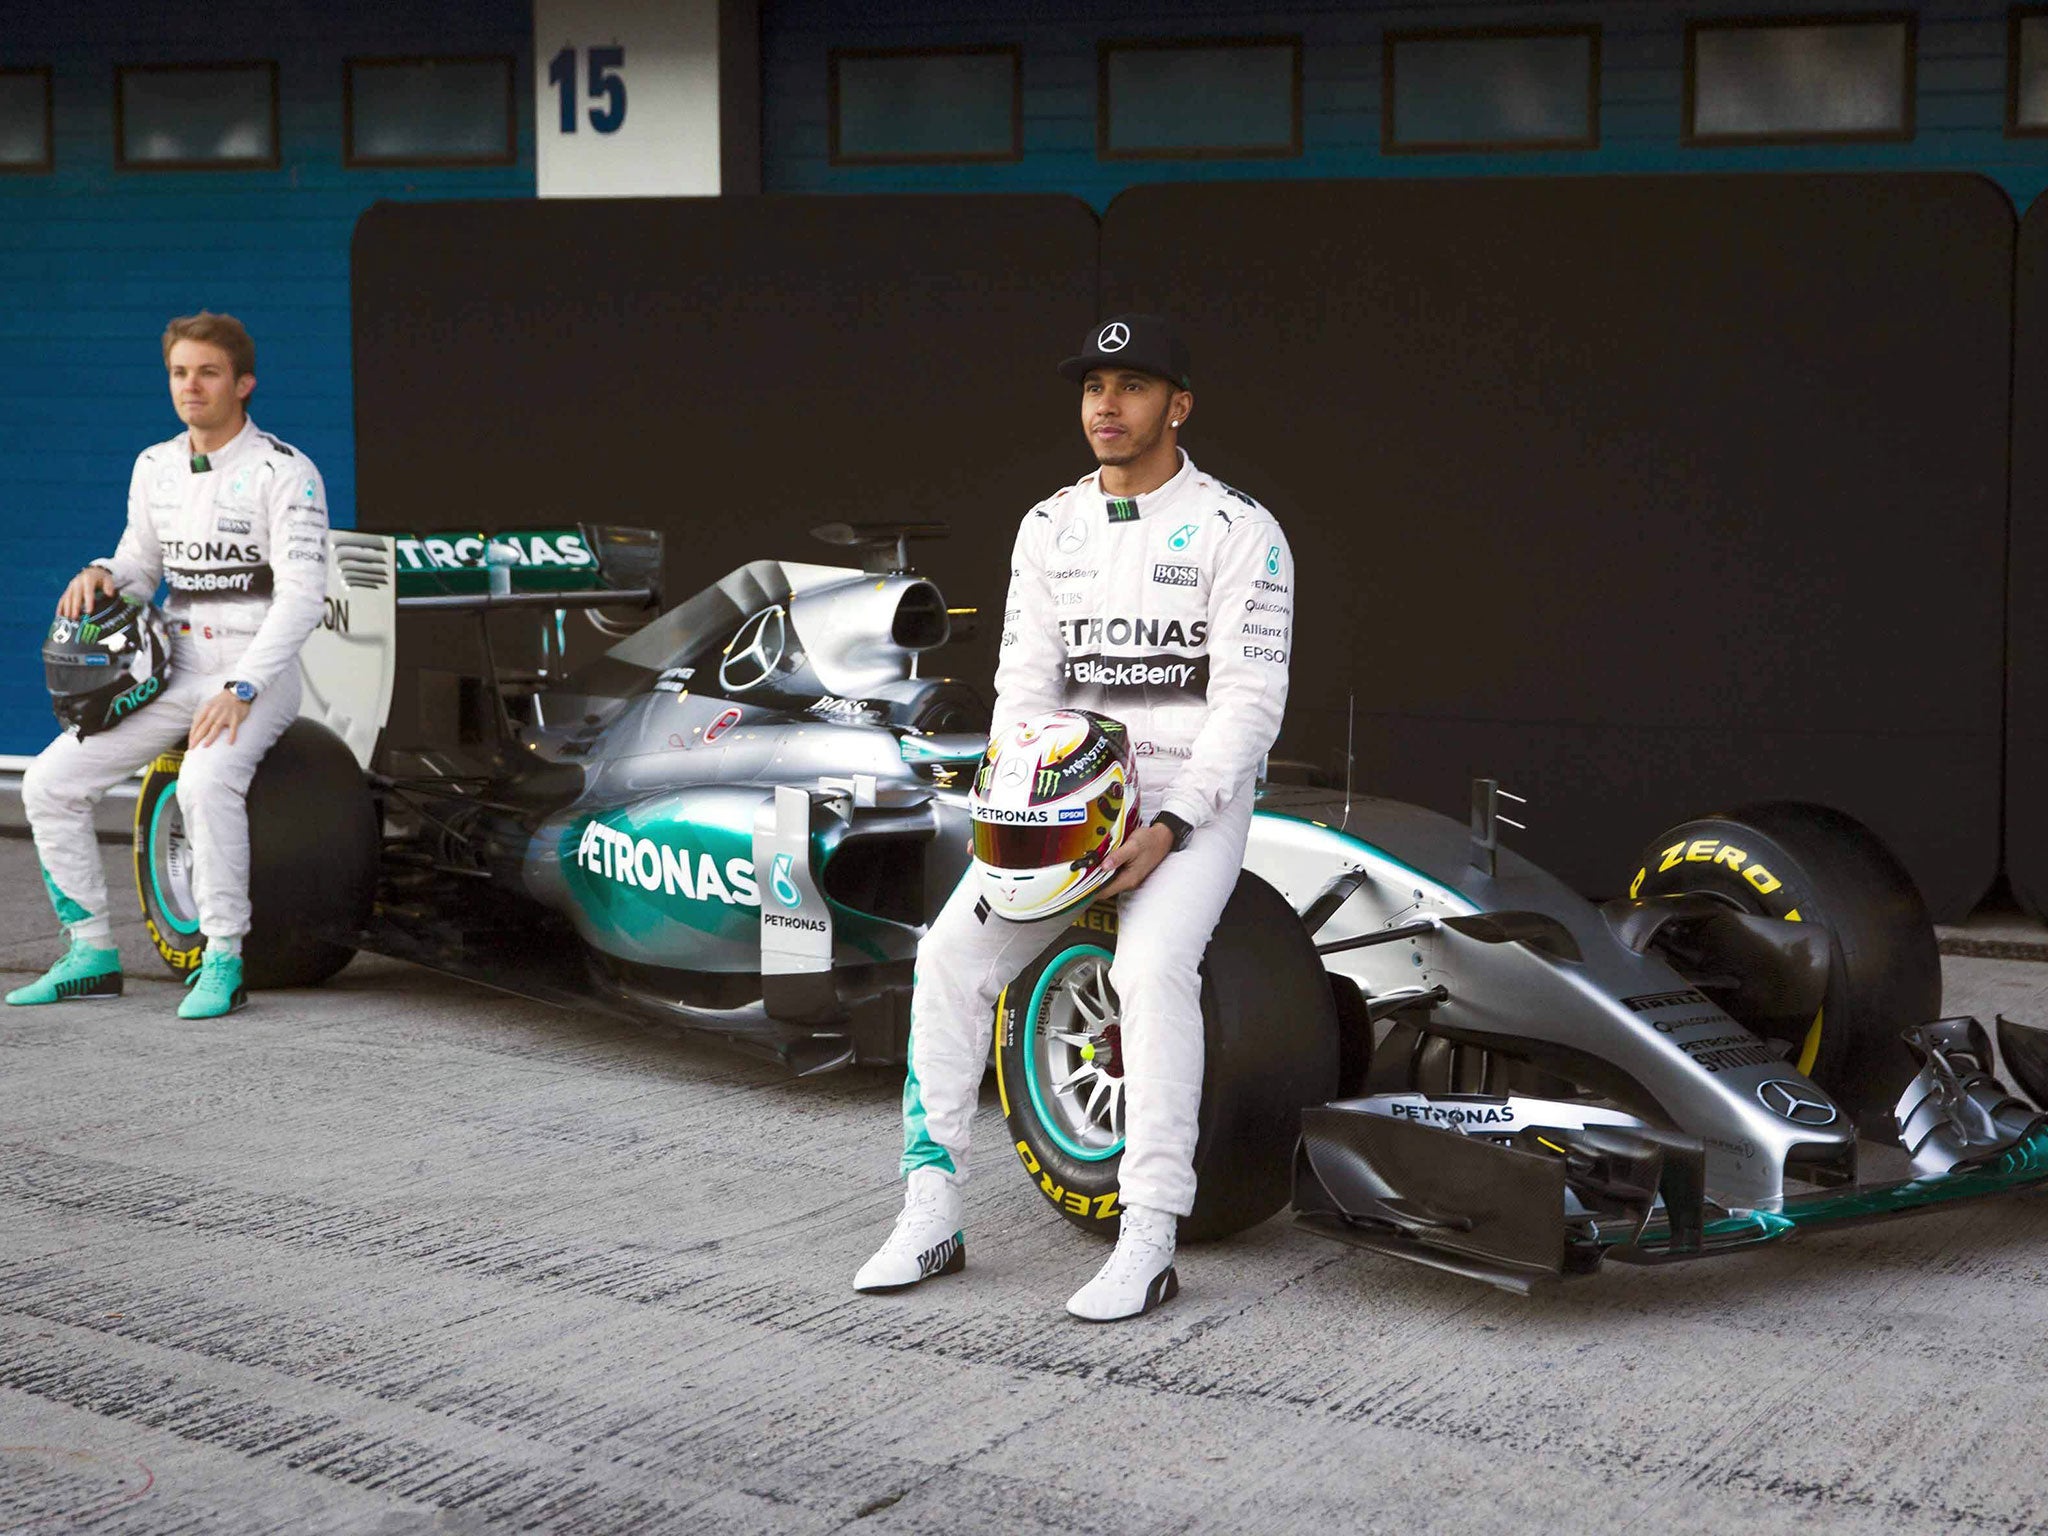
85 971
215 988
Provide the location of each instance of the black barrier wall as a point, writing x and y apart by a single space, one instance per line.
2026 783
1647 496
733 372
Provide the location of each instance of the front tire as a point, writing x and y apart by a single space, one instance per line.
1270 1038
313 853
1808 863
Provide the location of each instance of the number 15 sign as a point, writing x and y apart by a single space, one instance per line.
626 98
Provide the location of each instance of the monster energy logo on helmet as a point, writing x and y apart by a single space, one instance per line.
1079 768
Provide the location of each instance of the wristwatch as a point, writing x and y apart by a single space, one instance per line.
246 692
1177 826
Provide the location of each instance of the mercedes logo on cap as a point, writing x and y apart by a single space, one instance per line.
1797 1102
1132 344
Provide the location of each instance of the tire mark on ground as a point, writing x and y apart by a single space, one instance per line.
1412 1401
495 1486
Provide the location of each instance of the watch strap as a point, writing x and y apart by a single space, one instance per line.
1177 825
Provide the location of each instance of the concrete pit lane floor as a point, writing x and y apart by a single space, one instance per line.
398 1254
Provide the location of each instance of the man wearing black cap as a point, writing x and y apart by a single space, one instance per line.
1155 594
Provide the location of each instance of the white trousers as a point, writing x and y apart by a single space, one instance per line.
69 777
1163 927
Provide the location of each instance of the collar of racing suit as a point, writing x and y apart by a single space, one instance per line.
227 452
1124 509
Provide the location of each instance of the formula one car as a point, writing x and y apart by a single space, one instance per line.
740 818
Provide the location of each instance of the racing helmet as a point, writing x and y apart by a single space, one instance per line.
1052 796
103 667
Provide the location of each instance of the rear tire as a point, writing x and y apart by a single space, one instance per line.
1270 1035
949 706
1828 868
313 853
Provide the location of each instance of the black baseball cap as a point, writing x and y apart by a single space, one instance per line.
1147 343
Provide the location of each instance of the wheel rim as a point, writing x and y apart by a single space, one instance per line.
1073 1055
170 864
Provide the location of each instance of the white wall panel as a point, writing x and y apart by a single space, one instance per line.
626 98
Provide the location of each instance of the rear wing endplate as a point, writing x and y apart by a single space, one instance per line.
350 662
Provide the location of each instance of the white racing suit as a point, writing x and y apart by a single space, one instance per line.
1172 612
242 546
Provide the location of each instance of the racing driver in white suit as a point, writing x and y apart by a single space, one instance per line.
1155 594
234 522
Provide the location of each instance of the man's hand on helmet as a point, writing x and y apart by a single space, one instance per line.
1143 851
81 592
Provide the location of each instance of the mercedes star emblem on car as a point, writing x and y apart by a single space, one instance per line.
755 652
1795 1102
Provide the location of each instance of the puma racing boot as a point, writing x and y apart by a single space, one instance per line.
215 988
927 1241
85 971
1139 1275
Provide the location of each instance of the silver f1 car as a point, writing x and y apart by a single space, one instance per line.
741 817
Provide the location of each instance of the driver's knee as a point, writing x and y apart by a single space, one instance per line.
35 789
944 987
47 790
953 959
1151 985
210 784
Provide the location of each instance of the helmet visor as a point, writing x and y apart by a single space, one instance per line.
1001 846
72 675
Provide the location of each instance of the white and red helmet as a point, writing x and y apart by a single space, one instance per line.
1053 795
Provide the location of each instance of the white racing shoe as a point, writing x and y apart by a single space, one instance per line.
927 1241
1139 1275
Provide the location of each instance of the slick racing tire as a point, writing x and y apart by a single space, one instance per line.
1790 860
1270 1035
313 848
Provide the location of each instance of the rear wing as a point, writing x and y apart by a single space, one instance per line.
588 566
350 662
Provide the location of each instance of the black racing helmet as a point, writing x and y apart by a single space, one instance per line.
105 666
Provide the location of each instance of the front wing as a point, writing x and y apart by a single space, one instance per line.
1550 1201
